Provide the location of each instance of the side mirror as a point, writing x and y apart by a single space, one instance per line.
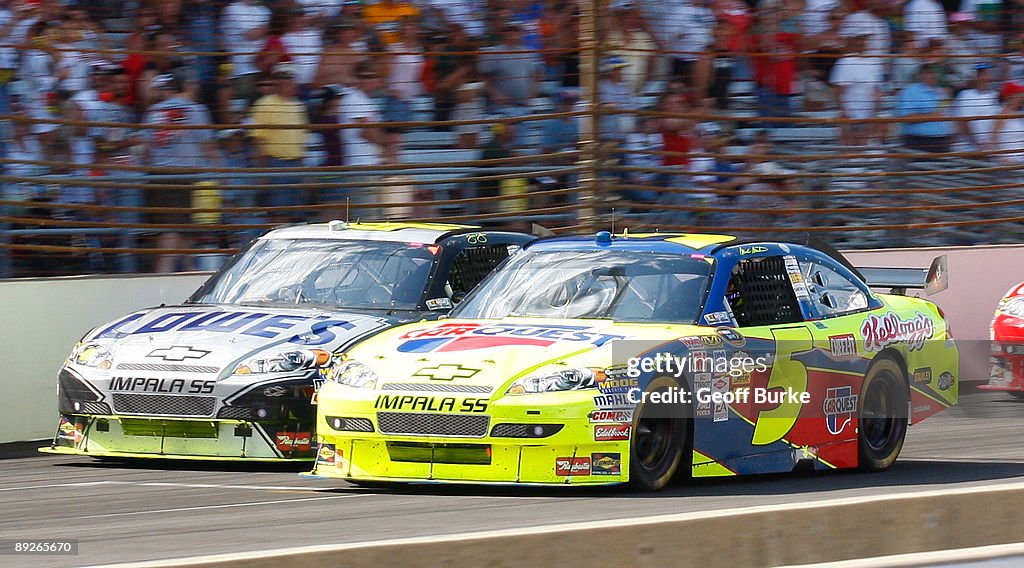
827 299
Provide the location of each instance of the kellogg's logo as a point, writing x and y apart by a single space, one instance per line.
469 336
880 332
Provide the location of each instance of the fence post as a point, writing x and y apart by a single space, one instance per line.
589 131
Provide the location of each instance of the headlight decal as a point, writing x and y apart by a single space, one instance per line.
557 380
283 362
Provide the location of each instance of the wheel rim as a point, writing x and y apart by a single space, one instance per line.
878 419
655 438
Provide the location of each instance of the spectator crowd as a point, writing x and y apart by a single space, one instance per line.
120 90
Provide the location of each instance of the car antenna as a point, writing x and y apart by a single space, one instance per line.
347 199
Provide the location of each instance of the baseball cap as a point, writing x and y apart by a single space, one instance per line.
613 63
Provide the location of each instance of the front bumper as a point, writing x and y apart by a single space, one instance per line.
1007 372
569 456
172 438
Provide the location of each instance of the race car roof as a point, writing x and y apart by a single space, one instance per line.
654 242
392 232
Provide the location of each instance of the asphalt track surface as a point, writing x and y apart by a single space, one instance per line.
158 510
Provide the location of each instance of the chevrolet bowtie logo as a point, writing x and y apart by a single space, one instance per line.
178 353
446 372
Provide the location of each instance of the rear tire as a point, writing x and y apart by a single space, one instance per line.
882 415
658 448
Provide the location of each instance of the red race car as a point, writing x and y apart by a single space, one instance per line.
1008 344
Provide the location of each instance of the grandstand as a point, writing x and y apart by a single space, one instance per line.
161 137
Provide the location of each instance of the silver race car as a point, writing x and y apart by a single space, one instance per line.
233 372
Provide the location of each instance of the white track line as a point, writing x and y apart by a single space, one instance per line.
225 506
51 486
219 486
933 557
573 527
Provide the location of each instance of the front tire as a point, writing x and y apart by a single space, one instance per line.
660 440
882 415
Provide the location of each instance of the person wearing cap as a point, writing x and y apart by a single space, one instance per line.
629 41
191 148
924 99
977 103
281 148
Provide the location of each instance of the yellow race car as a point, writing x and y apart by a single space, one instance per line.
640 358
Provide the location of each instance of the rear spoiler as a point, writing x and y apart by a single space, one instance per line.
932 280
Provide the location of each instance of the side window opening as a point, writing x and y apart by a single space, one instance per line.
760 293
473 265
832 293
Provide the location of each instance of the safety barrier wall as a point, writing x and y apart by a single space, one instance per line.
45 317
42 320
775 535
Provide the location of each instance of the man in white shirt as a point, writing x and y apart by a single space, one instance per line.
693 33
466 13
303 42
363 146
859 79
925 19
243 26
980 101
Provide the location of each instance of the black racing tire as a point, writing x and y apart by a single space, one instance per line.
659 446
882 415
1017 394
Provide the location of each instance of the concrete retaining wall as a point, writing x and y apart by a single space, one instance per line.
42 320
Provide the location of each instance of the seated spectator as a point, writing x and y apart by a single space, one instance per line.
642 150
924 99
825 47
453 69
868 20
469 105
978 102
615 95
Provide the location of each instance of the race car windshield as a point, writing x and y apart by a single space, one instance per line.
628 286
328 272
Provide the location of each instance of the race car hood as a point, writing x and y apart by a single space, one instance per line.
222 336
495 352
1008 323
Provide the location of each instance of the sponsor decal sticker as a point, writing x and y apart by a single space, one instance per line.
842 345
469 336
178 353
752 250
274 391
613 401
731 336
430 403
882 331
611 416
711 340
326 454
611 432
721 411
616 385
946 381
572 466
606 464
439 304
839 406
297 441
702 382
446 372
717 318
923 375
66 431
693 342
